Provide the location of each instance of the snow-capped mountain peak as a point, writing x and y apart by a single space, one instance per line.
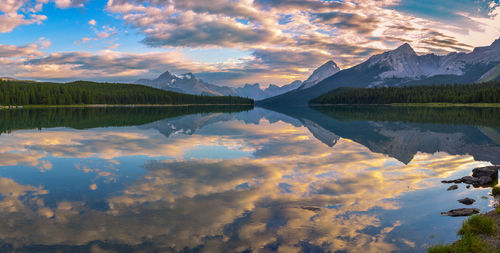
401 62
324 71
167 76
188 76
404 50
190 84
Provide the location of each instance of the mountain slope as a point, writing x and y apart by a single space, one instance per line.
186 83
403 67
190 84
254 91
349 77
324 71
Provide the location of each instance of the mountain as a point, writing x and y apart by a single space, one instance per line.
254 91
324 71
186 83
190 84
403 67
5 78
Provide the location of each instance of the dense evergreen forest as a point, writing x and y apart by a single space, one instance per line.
92 117
459 93
82 92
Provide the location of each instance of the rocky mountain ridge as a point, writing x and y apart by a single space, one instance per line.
402 67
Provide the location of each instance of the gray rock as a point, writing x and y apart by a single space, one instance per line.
482 176
488 171
485 180
453 187
461 212
467 201
470 180
455 181
311 208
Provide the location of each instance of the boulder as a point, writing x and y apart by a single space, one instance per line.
485 180
467 201
453 187
488 171
461 212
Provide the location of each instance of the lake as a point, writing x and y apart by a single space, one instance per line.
239 179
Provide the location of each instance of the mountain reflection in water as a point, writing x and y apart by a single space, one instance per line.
238 180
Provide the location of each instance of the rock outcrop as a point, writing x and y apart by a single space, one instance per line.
461 212
483 176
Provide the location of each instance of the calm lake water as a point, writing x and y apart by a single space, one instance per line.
218 179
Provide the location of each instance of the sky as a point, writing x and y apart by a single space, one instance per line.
227 42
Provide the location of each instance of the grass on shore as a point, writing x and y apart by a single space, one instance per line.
495 191
471 241
478 225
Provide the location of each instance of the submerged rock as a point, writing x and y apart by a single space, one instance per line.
455 181
453 187
467 201
311 208
461 212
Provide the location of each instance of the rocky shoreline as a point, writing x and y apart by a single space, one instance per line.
481 177
480 232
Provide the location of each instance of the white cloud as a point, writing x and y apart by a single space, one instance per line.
69 3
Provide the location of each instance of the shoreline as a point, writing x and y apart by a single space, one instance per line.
112 105
478 241
417 105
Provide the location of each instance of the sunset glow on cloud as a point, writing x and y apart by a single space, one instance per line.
225 41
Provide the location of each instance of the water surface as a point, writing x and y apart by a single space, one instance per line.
220 179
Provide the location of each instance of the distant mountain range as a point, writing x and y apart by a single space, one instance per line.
188 83
402 67
399 67
6 78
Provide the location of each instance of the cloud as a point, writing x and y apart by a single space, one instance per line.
29 61
10 21
347 32
310 32
362 24
69 3
107 63
14 13
28 51
238 204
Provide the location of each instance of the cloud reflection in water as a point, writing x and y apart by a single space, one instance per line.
290 193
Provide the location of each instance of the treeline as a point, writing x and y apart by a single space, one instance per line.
92 117
458 93
82 92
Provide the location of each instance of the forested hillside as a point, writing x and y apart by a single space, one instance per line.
82 92
460 93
